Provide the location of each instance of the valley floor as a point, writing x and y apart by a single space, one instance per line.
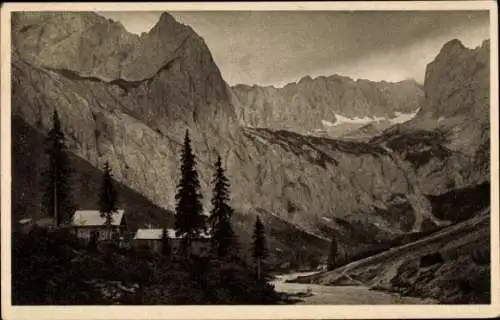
451 265
338 295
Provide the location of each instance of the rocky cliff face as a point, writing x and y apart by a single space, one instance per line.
457 81
331 106
448 142
135 121
128 100
162 77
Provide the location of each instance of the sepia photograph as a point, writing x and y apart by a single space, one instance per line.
161 155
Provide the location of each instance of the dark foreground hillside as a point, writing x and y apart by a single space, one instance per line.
52 268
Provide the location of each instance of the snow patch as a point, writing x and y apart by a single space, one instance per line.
326 219
404 117
326 124
399 118
345 120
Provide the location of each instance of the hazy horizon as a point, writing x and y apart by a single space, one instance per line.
278 47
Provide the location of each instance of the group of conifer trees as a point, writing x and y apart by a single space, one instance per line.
190 222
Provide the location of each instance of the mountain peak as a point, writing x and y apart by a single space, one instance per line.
454 42
451 47
93 46
457 66
88 45
305 79
166 19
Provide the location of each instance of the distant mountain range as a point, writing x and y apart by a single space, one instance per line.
364 160
327 106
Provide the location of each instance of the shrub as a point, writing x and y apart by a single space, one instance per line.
431 259
481 256
475 289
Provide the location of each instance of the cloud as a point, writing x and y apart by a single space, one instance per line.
277 47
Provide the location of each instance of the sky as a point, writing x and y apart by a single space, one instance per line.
279 47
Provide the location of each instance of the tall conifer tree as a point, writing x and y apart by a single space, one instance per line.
224 242
108 197
189 219
259 251
57 200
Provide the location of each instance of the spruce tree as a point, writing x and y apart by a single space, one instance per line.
189 218
107 197
332 254
259 251
222 234
57 200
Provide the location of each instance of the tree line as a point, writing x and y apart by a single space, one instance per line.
190 222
